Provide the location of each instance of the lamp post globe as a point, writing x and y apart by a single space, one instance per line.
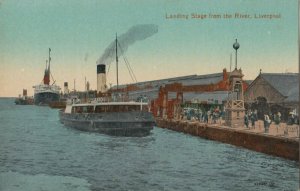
236 45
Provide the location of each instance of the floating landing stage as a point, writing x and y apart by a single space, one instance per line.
273 145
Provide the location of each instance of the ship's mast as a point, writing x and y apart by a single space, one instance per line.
117 61
47 74
49 61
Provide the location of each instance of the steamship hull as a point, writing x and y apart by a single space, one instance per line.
45 98
132 124
26 101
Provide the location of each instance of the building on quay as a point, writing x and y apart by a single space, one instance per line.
274 92
168 96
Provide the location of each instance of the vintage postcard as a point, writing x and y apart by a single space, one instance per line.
149 95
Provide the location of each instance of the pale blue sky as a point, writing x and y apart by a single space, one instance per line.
74 29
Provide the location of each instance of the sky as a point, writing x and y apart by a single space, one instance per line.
78 33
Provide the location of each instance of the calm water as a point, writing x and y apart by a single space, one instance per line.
38 153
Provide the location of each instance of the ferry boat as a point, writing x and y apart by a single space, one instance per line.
45 93
111 118
108 114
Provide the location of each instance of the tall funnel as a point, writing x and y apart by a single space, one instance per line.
101 78
66 88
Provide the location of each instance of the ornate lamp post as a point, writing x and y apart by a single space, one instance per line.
234 108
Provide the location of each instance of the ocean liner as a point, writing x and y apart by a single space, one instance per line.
111 115
45 93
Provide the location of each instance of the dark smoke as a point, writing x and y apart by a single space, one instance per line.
135 33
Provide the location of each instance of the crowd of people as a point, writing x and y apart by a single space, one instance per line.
212 115
215 115
268 119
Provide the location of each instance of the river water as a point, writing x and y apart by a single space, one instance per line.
37 153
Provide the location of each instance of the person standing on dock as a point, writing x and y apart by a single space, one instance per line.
205 117
277 119
253 119
246 121
291 119
199 115
267 123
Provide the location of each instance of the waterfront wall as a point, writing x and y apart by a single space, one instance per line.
277 146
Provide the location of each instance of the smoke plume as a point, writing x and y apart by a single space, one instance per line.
135 33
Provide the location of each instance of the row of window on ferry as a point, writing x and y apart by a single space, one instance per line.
108 108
